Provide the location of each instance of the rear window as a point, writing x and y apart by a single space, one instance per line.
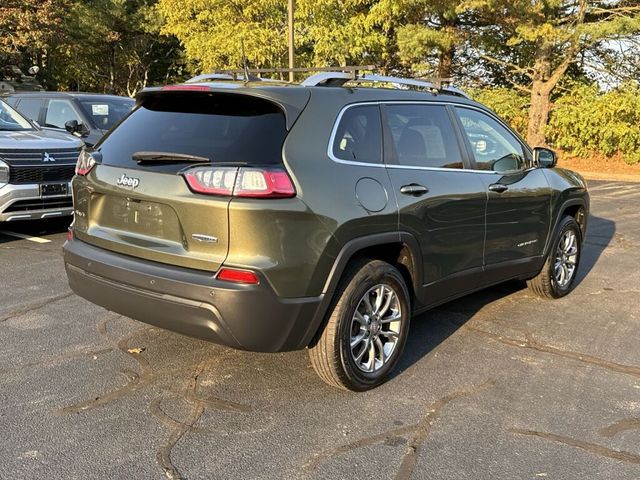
225 128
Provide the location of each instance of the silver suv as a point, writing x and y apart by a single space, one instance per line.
36 167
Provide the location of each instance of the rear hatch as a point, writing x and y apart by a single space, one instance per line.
136 200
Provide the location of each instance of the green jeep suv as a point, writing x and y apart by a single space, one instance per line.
273 217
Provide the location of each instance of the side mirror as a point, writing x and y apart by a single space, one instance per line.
76 128
71 126
33 70
544 158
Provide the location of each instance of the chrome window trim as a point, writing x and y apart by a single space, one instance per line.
334 131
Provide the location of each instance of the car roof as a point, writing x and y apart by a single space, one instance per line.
281 91
293 98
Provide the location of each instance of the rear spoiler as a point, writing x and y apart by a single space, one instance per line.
291 100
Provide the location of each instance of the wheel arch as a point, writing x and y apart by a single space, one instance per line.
574 207
401 249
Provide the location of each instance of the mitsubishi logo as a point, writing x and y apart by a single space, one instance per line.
47 158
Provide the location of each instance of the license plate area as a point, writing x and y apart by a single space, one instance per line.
54 189
141 217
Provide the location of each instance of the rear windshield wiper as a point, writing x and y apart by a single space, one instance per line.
168 157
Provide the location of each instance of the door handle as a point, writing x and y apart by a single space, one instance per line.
498 187
414 189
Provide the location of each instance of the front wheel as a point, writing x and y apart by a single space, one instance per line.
367 327
558 275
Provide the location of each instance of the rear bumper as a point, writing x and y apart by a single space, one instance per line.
23 202
191 302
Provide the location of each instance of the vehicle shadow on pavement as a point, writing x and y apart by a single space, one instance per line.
434 326
600 233
33 228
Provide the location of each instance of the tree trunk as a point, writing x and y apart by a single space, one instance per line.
445 63
540 96
538 113
112 70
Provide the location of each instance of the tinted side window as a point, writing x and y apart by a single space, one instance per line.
423 136
60 112
493 146
359 135
31 107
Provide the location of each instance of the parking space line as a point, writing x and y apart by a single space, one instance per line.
608 186
25 237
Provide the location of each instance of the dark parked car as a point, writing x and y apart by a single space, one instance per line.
323 216
36 167
88 115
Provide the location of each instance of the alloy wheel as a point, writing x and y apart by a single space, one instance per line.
375 328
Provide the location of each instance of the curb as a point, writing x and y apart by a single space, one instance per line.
616 177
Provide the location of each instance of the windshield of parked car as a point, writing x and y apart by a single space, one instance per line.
11 120
105 113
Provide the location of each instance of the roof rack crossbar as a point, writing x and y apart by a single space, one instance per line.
232 77
340 79
332 77
348 68
251 75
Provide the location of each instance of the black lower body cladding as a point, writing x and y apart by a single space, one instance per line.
191 302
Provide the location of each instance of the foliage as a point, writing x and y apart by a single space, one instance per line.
430 35
216 33
585 121
511 105
535 42
115 46
96 45
221 34
29 24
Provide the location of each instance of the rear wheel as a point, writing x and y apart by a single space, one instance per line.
367 327
557 277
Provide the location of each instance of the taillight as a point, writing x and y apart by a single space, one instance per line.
70 234
238 276
212 181
241 182
256 182
85 163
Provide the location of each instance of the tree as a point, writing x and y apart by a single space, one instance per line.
221 34
28 29
431 32
29 24
115 46
536 41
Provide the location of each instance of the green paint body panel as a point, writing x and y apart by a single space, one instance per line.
459 236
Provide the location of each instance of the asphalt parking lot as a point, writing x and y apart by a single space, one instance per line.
498 385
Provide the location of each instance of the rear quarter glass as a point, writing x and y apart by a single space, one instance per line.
225 128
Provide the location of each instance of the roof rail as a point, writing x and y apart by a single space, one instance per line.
233 77
333 77
338 79
251 74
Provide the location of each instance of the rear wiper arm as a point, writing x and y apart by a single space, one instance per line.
168 157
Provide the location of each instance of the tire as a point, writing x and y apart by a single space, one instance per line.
332 357
549 282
